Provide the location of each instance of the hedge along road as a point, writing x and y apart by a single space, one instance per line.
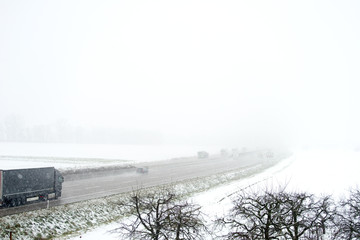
92 185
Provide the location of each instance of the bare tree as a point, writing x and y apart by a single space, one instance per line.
160 216
185 222
348 218
326 212
278 215
302 215
253 217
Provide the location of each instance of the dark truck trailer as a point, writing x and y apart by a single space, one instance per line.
21 186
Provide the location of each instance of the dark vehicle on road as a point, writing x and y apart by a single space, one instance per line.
22 186
142 170
203 154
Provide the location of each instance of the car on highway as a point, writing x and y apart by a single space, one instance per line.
142 170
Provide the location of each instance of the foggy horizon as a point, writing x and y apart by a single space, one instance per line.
225 73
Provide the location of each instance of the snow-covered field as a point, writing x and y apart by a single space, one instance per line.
138 153
316 171
69 156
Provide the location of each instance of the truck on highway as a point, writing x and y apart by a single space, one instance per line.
22 186
203 154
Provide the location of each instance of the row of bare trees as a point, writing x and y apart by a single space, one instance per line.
255 215
292 215
278 215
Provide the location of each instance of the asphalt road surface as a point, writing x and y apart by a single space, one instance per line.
92 186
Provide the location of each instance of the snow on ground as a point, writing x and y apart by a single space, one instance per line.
61 163
324 171
138 153
70 156
320 172
315 171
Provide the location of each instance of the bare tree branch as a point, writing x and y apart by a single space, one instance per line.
160 216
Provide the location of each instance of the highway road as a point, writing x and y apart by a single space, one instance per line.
97 186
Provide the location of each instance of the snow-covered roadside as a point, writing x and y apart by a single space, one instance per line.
217 201
214 201
319 172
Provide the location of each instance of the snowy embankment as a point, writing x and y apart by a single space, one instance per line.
319 172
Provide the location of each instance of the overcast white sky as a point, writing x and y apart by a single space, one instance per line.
221 69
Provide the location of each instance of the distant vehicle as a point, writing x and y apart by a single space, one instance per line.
235 153
22 186
269 154
203 154
224 153
142 170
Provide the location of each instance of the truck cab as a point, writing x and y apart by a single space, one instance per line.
59 179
